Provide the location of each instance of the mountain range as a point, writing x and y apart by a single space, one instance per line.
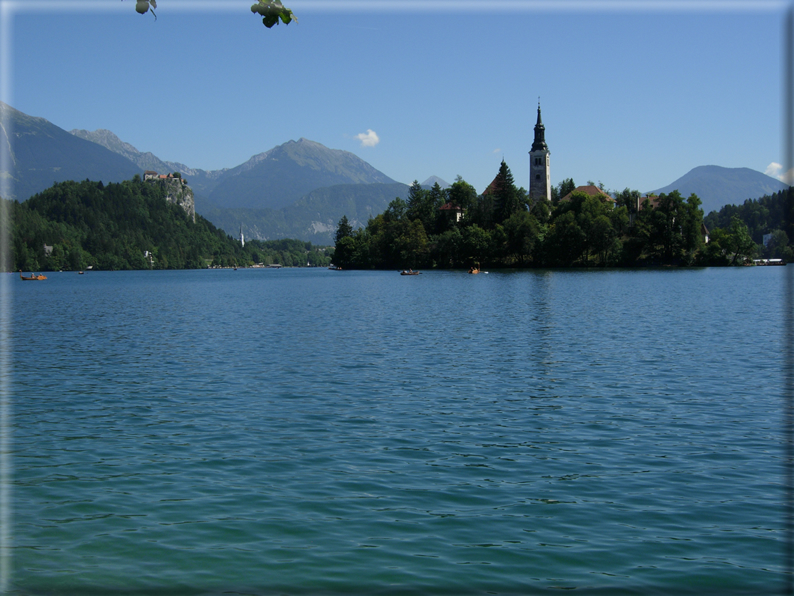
270 180
435 180
313 217
201 181
717 186
281 176
42 154
299 189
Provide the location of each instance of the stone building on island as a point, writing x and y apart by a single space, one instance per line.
539 175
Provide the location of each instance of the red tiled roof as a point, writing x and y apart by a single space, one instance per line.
591 190
494 187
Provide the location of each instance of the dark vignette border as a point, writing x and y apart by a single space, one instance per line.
430 590
788 391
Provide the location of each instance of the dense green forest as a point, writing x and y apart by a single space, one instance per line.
771 214
130 225
502 228
74 225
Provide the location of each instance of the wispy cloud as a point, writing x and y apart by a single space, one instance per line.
776 171
497 150
368 139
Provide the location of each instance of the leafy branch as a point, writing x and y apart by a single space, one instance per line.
142 7
271 10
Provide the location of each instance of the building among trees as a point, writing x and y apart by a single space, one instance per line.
562 226
590 190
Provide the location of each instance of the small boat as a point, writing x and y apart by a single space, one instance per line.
410 272
34 277
473 271
81 273
333 268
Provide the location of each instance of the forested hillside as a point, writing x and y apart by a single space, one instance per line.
130 225
771 214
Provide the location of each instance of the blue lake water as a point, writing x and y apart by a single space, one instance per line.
316 432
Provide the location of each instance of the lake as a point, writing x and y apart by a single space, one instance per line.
306 431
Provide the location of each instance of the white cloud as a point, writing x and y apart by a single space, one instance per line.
368 139
497 150
776 171
773 169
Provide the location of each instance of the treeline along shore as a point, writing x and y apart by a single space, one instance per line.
580 227
131 225
134 225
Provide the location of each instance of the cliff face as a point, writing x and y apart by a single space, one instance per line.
178 193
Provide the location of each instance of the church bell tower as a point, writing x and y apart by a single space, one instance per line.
539 177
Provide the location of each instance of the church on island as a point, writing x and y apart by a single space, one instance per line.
540 180
539 166
539 174
540 177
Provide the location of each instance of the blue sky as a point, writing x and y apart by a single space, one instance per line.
634 93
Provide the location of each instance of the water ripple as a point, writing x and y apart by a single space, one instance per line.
302 431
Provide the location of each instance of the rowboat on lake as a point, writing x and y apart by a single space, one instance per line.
33 277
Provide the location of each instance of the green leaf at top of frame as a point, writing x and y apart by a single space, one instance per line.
272 11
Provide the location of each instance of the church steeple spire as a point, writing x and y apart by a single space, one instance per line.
539 177
540 134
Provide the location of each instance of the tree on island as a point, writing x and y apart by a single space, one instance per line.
676 227
563 188
731 246
343 246
505 194
499 230
461 193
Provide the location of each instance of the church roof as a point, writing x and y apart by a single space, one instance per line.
539 143
591 190
495 186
